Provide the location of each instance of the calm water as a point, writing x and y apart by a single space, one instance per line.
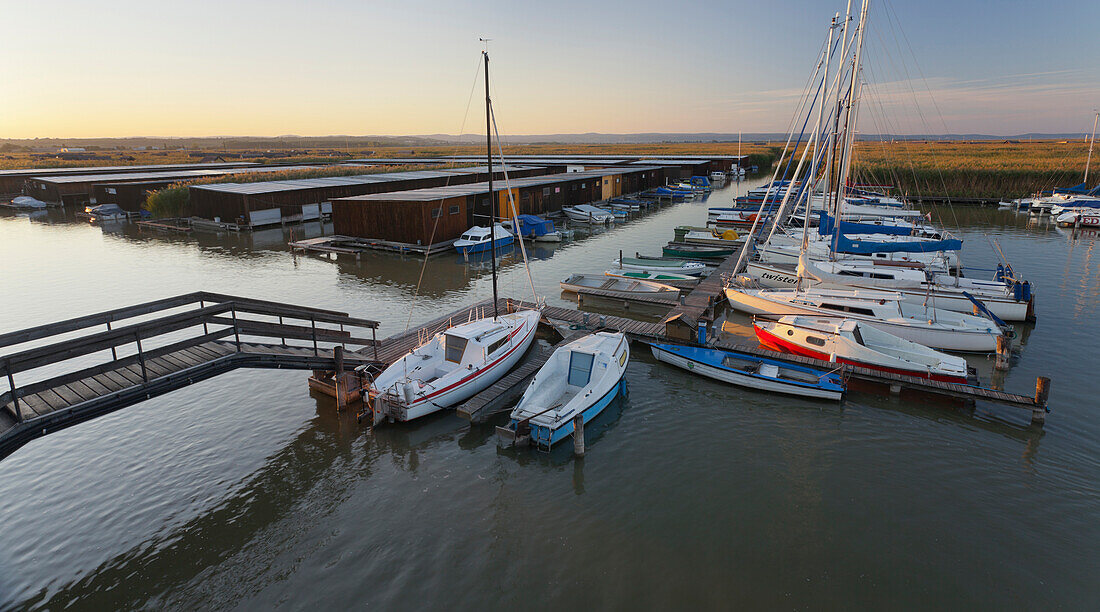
246 491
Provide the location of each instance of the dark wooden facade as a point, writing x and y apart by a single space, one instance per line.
128 196
412 222
234 205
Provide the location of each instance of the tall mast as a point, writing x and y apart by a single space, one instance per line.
492 207
1091 143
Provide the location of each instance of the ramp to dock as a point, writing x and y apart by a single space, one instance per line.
127 364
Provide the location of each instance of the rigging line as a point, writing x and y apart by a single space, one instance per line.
435 224
512 205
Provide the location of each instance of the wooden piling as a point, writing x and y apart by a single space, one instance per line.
1004 350
578 435
1042 392
338 376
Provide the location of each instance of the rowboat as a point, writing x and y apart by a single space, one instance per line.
577 282
454 365
586 213
752 372
884 310
706 235
580 378
696 251
681 281
678 266
852 342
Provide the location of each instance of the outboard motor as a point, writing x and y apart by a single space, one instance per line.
1026 290
409 391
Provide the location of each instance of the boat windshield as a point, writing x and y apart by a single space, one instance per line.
580 368
456 346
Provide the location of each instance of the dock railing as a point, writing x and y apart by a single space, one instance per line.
217 317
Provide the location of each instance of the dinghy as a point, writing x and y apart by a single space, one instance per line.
586 213
852 342
577 282
678 266
696 251
680 281
752 372
580 378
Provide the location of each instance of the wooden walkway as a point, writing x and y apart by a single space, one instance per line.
220 336
699 305
628 298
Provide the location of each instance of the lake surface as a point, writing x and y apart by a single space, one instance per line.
245 491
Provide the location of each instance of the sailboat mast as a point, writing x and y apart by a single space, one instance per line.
492 207
1091 143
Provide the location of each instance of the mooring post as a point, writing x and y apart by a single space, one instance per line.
236 330
202 304
338 357
374 341
1004 349
313 326
1042 392
578 435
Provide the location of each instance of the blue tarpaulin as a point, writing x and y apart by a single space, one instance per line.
867 247
826 228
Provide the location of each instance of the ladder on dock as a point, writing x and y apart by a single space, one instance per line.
154 348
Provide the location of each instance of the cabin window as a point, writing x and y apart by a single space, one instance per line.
606 182
790 332
494 346
453 209
814 340
112 191
436 212
580 368
455 347
545 191
584 186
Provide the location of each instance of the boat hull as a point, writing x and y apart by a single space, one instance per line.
545 436
743 379
778 343
942 339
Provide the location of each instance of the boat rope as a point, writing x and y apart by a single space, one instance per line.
512 206
435 223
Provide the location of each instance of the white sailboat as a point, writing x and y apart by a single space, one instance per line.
464 359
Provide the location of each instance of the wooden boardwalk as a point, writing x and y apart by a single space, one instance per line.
699 305
628 298
220 336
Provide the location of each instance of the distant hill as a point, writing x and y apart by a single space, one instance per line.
215 143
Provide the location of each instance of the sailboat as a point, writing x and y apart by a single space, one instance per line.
464 359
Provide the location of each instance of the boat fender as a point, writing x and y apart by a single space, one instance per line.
409 391
1000 275
1017 291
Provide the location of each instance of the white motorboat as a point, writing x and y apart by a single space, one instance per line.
454 365
477 239
853 342
580 378
586 213
885 310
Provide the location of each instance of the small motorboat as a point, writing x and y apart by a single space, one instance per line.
678 266
28 202
576 282
105 212
586 213
530 226
851 342
752 372
454 365
680 281
696 251
476 239
580 378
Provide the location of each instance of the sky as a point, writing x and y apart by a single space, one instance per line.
82 69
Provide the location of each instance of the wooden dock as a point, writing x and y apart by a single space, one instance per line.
626 298
700 304
219 335
349 245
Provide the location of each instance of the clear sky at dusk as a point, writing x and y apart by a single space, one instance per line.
197 68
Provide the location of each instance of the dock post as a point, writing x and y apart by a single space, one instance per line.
374 341
1042 392
1004 349
114 354
578 435
338 375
